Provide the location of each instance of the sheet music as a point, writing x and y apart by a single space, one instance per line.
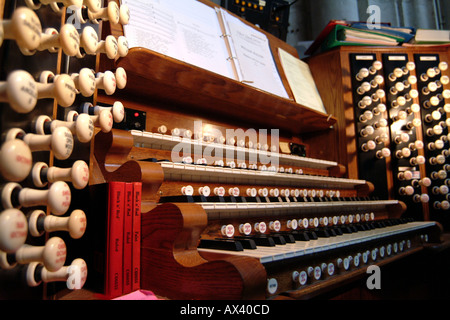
186 30
301 81
254 57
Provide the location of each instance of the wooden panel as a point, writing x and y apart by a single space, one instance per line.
169 250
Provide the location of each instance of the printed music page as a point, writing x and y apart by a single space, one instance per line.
186 30
253 56
301 81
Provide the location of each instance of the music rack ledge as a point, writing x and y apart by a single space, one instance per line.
178 84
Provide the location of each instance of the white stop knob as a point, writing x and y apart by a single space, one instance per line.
57 197
13 230
52 255
15 160
20 91
24 27
75 224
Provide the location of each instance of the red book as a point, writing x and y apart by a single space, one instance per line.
114 273
136 264
127 238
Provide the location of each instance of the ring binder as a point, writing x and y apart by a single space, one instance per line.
193 41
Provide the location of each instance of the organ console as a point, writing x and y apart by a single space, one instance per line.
227 210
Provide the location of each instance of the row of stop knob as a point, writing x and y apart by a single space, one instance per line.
22 92
46 263
400 72
211 138
25 29
262 227
206 191
348 262
53 135
405 152
242 165
93 6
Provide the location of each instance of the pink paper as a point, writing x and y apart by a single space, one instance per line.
138 295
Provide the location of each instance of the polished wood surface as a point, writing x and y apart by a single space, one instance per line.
172 266
161 78
109 162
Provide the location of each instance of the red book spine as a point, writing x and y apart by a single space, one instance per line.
136 264
115 239
127 238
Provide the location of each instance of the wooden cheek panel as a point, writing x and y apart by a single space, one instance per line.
171 263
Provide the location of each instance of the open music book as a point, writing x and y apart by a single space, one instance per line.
209 38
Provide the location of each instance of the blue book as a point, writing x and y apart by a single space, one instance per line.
407 33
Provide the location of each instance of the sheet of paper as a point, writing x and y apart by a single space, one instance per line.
301 81
252 52
186 30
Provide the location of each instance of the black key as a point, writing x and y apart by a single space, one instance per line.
216 199
337 231
331 232
300 236
346 229
262 241
247 243
189 199
312 235
361 227
322 233
288 237
221 244
278 239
